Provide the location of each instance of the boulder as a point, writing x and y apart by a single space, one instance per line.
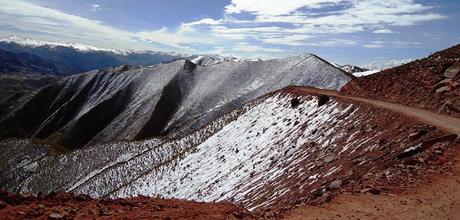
325 198
323 99
373 191
336 184
452 71
55 216
443 89
445 82
328 159
295 102
417 134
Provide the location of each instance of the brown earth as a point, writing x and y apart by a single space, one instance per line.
444 122
437 197
68 206
423 185
432 83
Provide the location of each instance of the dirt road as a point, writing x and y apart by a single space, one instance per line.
437 198
443 122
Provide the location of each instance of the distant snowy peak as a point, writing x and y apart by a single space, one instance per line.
356 70
27 42
352 68
206 60
38 43
365 73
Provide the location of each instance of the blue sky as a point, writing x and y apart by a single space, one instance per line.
360 32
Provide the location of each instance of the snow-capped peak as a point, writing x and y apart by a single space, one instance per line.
206 60
27 42
81 47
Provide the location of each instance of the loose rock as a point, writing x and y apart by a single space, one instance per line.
335 184
55 216
295 102
325 198
323 99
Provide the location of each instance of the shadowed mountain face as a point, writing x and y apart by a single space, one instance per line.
138 103
21 73
24 63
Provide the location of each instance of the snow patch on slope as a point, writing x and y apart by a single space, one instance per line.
365 73
257 148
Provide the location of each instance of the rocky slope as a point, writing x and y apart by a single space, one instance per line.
431 83
137 103
68 206
14 89
278 151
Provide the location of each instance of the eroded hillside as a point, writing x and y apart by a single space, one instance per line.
283 149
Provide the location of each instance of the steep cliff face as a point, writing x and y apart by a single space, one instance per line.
137 103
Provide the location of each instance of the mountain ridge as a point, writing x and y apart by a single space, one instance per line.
189 95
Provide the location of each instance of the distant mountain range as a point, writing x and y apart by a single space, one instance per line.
82 58
25 63
21 73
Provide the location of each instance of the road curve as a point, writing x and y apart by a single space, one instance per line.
443 122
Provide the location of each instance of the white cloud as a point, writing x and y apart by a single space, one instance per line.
394 44
272 26
290 40
373 46
43 21
350 16
383 31
205 21
245 47
56 25
334 43
386 63
273 7
180 38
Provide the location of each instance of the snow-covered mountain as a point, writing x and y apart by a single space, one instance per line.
84 58
352 68
205 60
137 103
28 42
356 70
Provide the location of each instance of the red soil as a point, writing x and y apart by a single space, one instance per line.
68 206
435 197
423 83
